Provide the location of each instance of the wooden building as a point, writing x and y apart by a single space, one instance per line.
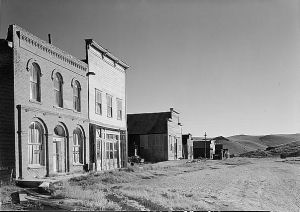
187 146
156 136
202 147
219 150
107 108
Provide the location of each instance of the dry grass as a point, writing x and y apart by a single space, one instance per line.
91 198
95 190
161 199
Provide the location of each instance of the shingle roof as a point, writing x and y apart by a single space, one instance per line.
147 123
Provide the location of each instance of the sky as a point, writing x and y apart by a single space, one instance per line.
228 66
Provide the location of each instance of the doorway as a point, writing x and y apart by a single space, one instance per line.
60 150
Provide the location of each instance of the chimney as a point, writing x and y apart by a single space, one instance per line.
49 38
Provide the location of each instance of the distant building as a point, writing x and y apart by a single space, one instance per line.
156 136
219 152
187 146
107 108
44 113
201 147
212 148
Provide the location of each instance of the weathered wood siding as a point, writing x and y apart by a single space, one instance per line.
174 138
153 147
109 80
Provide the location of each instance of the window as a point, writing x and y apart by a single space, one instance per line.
35 88
98 100
116 149
36 151
109 105
119 109
76 96
77 147
58 90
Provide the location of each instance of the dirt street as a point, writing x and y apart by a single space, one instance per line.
250 184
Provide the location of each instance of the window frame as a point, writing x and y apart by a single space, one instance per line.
77 98
59 79
109 99
32 156
119 109
35 68
97 91
78 149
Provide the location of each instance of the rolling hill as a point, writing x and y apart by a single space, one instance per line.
239 144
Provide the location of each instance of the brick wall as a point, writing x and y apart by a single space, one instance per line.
7 159
27 49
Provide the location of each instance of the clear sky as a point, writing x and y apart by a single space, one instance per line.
228 66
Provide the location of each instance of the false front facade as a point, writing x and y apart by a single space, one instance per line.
107 108
155 136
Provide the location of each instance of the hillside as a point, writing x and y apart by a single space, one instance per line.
245 143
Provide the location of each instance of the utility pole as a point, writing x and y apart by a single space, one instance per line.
205 145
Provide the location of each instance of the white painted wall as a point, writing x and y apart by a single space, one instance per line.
110 80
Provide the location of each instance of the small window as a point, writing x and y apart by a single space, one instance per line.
36 150
58 89
98 101
119 109
76 96
35 87
109 106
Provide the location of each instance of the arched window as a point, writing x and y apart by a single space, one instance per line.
36 150
76 96
77 146
35 88
58 89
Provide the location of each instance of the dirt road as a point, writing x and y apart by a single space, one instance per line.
235 184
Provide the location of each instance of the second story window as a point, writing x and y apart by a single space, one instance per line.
98 102
119 109
109 106
58 90
76 96
35 87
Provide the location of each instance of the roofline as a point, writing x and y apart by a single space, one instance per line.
147 113
106 52
17 27
173 110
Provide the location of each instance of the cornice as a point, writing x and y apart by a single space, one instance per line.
106 53
50 49
51 113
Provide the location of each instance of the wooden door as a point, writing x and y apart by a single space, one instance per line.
99 154
59 155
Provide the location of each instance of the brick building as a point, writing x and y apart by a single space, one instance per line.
156 136
107 108
44 111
